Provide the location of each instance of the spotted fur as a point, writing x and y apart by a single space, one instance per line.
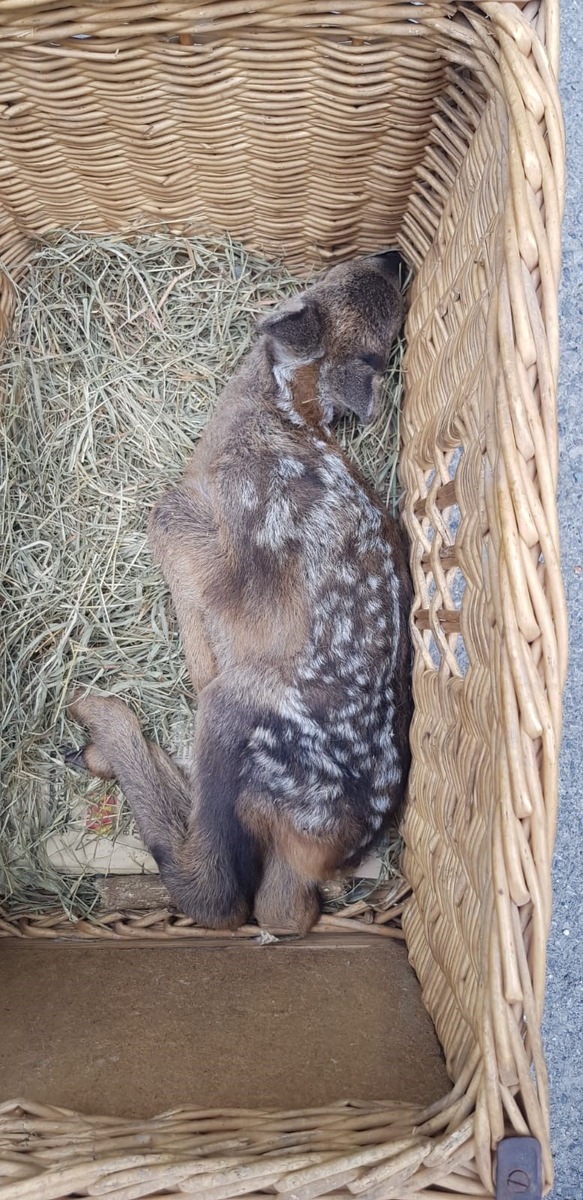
292 593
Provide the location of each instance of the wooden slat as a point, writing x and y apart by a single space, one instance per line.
447 558
444 498
448 619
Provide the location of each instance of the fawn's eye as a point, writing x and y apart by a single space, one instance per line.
375 361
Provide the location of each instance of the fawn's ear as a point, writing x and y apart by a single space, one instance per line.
353 386
296 329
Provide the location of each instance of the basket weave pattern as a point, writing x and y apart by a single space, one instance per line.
320 134
299 144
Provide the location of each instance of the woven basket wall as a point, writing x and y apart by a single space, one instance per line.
316 133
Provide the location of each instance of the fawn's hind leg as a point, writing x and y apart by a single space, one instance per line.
157 791
209 862
286 902
295 862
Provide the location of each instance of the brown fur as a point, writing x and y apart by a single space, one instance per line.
291 589
286 900
304 388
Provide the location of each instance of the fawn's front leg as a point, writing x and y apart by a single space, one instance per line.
182 538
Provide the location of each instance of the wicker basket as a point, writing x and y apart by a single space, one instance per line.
317 132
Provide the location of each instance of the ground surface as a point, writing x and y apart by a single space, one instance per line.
564 1010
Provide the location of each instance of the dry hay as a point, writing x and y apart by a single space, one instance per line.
118 352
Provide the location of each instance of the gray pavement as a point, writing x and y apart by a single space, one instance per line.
564 1004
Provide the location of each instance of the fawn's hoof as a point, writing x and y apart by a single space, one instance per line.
74 758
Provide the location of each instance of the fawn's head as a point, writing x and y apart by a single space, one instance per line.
345 326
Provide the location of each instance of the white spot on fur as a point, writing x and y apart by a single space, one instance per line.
291 468
396 620
273 774
283 373
248 494
343 631
263 737
388 775
278 526
348 574
385 739
326 407
349 710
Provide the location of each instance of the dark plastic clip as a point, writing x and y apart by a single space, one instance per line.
519 1172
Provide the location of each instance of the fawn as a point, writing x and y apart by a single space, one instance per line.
291 588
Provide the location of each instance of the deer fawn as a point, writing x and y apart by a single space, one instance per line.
291 589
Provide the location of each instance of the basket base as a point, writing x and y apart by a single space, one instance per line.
130 1031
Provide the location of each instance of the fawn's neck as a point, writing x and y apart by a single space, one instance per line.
298 395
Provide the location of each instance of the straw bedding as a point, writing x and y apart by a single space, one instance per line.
118 352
